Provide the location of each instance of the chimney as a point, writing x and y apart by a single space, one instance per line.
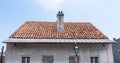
60 23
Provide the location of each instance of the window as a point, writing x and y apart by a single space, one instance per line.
94 59
119 55
47 59
25 59
73 59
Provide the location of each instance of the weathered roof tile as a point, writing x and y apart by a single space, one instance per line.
48 30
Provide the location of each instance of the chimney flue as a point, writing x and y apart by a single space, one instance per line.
60 21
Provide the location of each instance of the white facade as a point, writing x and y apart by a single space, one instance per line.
60 52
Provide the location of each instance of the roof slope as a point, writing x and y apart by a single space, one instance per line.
48 30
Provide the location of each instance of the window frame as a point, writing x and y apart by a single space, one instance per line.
47 56
74 57
94 58
25 57
119 55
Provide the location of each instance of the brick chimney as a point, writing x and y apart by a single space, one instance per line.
60 21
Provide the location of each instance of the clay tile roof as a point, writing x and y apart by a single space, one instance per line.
48 30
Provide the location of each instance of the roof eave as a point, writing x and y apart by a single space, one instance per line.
92 41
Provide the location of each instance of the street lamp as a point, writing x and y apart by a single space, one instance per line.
76 49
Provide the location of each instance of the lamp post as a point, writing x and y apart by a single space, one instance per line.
76 49
1 58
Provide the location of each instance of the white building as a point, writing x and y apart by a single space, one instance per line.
53 42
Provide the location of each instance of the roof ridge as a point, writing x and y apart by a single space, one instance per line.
64 22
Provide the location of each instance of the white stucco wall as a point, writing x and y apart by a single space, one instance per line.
61 52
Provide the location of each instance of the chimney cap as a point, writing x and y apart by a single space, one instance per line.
60 13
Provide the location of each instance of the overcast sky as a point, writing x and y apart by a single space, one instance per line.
104 14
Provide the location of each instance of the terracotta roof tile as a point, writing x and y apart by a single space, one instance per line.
48 30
